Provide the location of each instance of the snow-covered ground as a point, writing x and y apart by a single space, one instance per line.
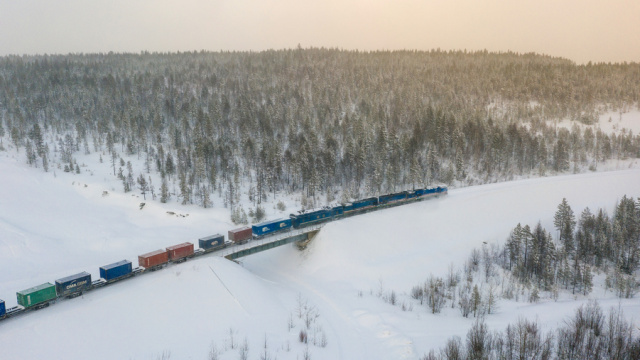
611 122
51 227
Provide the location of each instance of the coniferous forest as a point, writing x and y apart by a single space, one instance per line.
593 243
324 123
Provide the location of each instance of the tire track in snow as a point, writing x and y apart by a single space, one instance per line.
229 291
330 309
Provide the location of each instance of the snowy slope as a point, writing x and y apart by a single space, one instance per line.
52 227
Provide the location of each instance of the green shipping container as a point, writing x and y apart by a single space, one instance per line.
36 295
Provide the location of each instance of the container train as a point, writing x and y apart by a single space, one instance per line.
43 295
75 285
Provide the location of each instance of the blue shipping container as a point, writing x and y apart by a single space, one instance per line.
269 227
73 284
337 211
116 270
313 217
423 192
3 310
211 242
359 204
384 199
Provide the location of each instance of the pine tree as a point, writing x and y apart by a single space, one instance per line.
151 189
185 192
587 279
206 199
169 166
565 223
514 243
45 162
31 154
476 300
164 191
143 186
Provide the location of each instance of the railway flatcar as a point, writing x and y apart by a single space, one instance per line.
116 271
73 285
270 227
37 297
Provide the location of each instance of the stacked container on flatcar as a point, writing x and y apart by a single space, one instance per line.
153 259
37 296
337 211
422 192
360 205
73 285
211 243
116 271
240 235
392 198
180 252
3 309
314 217
270 227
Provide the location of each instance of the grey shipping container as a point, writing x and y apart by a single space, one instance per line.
73 284
116 270
211 242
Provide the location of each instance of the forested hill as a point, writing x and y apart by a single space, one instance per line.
325 123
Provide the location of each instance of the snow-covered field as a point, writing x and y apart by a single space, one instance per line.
611 122
51 227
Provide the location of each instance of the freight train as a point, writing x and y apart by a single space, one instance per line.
41 296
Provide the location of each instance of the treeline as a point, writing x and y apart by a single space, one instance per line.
589 334
532 263
319 122
594 241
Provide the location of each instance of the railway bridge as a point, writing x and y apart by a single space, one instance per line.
300 236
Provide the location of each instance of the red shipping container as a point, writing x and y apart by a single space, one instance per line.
154 258
180 251
240 235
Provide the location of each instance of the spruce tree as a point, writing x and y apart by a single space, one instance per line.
164 191
143 186
565 223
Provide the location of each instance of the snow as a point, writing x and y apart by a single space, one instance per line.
610 122
51 227
619 120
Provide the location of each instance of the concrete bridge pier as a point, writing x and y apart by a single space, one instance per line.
302 244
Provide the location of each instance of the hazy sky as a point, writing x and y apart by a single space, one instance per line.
581 30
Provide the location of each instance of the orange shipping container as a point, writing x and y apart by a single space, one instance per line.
241 235
154 258
180 251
